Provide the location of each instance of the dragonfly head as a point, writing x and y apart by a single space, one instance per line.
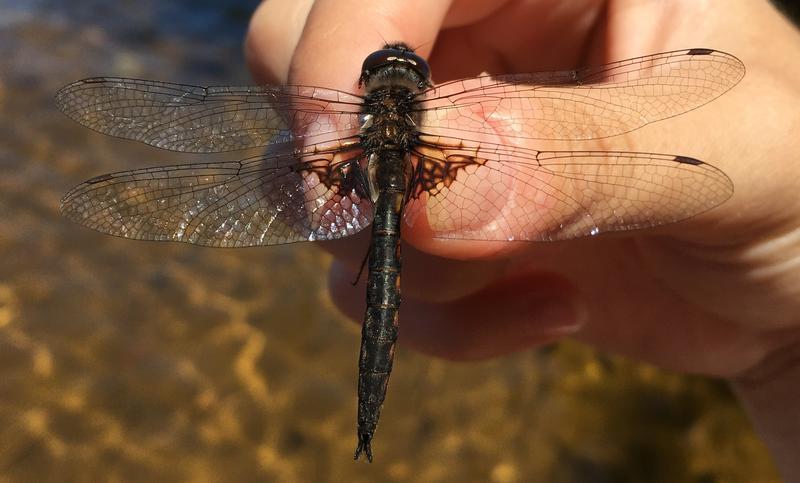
395 62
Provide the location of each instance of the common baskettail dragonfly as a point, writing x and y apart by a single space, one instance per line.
454 158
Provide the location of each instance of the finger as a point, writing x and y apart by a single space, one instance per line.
510 315
519 37
272 38
339 34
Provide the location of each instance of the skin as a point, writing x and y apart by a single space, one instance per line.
718 294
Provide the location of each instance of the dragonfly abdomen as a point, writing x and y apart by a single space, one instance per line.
379 331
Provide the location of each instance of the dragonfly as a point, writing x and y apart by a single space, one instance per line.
454 159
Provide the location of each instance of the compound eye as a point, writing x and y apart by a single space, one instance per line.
378 58
418 64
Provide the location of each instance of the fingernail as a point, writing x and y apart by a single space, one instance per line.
549 316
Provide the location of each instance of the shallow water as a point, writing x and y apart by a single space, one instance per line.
135 361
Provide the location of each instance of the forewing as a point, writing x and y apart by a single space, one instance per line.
589 103
207 119
494 192
272 199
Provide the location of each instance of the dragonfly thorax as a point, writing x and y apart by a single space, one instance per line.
393 78
388 120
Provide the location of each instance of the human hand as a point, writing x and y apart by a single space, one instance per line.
716 295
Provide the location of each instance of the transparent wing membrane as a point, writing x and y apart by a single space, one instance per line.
589 103
207 119
263 200
483 191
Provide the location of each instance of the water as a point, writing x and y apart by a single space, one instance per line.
162 362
